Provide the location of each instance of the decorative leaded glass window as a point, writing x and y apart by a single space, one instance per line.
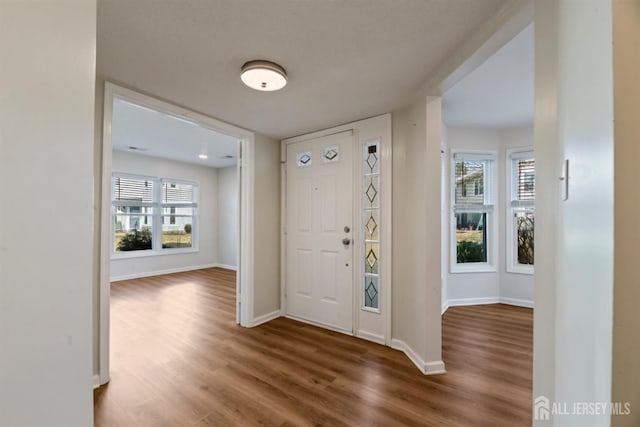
371 221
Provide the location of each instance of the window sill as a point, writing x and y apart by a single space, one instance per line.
152 253
528 271
473 268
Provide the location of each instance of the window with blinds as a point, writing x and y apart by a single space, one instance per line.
178 207
520 230
152 214
524 179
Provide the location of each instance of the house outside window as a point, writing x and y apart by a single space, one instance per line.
152 216
473 227
521 211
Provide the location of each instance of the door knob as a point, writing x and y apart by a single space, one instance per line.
346 241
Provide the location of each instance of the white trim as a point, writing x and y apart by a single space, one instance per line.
244 278
378 339
283 229
473 301
386 217
517 302
427 368
265 318
96 381
246 167
434 368
161 272
491 196
148 253
486 300
445 307
226 267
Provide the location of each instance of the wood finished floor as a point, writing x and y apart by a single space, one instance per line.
179 359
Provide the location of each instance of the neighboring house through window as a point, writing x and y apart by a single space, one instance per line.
152 214
472 202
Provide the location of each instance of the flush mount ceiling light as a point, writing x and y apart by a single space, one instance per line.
263 75
203 156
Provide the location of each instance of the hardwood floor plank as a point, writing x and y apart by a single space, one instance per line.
179 359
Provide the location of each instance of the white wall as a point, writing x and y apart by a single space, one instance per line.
228 217
486 287
207 234
574 120
46 165
416 295
266 250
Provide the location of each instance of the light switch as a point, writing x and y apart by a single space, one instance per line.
564 181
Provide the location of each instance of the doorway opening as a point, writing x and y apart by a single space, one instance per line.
488 170
177 193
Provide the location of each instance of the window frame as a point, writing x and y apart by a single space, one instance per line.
513 206
488 207
157 206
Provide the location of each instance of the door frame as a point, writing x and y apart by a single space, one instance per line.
379 128
246 174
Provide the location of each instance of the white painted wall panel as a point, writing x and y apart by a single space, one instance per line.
46 223
228 237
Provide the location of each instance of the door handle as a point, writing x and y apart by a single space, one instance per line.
346 241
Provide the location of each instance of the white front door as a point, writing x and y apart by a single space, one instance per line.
319 224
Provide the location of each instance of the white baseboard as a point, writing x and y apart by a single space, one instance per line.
434 368
161 272
472 301
488 300
378 339
427 368
96 381
227 267
445 307
517 302
265 318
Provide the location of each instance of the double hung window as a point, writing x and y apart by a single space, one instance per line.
521 211
473 219
152 215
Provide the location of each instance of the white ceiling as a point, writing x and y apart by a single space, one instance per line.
156 134
499 93
346 59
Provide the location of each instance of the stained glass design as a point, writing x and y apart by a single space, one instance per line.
330 154
371 223
371 291
371 186
371 258
304 159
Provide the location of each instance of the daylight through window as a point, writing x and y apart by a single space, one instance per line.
472 209
520 229
152 214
